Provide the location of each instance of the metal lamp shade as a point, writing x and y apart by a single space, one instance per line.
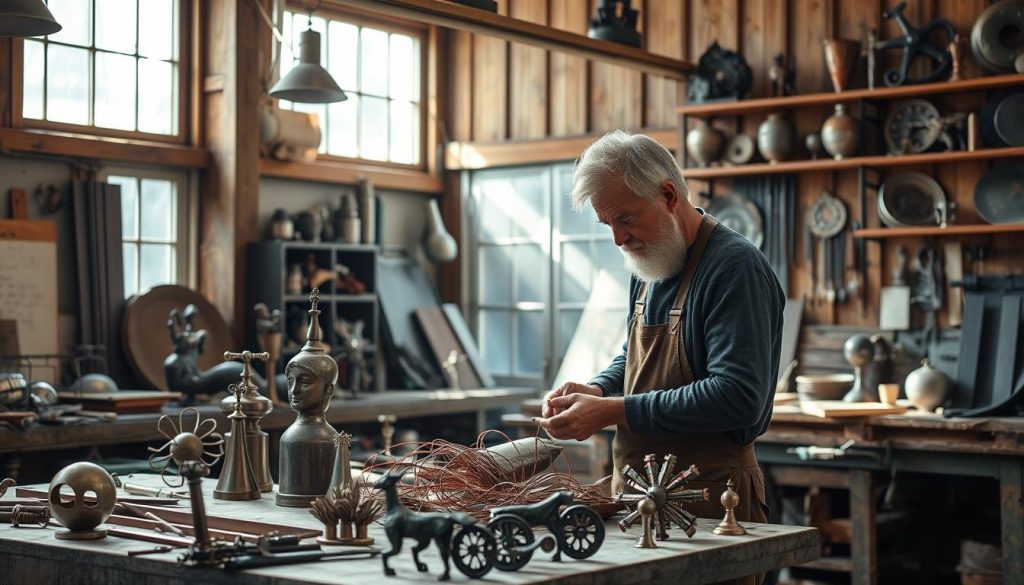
308 82
26 18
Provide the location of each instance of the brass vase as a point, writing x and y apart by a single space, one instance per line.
704 143
775 138
840 56
840 134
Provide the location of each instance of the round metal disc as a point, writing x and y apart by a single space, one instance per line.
826 216
1009 120
999 194
909 199
740 215
989 32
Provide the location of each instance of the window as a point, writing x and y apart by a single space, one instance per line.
380 71
533 263
155 229
115 65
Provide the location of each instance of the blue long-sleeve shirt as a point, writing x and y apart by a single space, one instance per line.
732 327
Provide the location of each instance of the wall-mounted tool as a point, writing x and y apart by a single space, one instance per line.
813 453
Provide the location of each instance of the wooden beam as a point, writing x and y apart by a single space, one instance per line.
451 15
349 173
483 155
103 148
6 78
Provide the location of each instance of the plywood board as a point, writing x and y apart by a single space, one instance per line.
28 289
838 408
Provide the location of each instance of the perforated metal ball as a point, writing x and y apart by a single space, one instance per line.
83 478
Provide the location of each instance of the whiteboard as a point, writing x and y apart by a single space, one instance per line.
28 283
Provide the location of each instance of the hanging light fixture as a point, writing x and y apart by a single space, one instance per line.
26 18
308 82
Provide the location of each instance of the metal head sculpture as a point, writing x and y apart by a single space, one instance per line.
312 373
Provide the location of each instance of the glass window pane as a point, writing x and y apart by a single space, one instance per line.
495 275
157 97
130 259
495 200
342 126
404 68
530 343
404 132
158 28
67 85
530 217
34 77
373 51
115 91
75 18
115 25
568 320
155 265
609 258
289 48
129 205
576 271
571 222
158 210
343 40
531 275
373 128
495 334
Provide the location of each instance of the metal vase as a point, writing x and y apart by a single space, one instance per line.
775 137
704 143
840 134
840 56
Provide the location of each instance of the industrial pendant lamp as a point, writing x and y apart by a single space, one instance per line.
26 18
308 82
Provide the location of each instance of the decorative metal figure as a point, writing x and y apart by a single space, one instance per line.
254 407
647 509
668 493
237 479
199 444
353 352
578 530
323 510
355 511
781 77
342 476
269 335
729 526
79 518
474 546
308 446
914 43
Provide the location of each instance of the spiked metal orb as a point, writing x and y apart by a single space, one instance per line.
668 493
200 443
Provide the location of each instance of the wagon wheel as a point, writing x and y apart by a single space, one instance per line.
582 531
511 531
474 550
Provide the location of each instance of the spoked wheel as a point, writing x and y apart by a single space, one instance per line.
474 550
510 532
582 531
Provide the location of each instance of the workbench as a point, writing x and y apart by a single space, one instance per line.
914 442
34 555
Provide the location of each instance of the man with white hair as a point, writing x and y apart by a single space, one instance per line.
697 373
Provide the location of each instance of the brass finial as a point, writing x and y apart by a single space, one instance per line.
730 499
314 336
247 383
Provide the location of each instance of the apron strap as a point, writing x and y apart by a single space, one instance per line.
707 225
641 300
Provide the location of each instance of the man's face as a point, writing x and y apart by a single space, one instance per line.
644 230
305 390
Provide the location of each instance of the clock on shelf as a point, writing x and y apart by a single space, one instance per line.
912 127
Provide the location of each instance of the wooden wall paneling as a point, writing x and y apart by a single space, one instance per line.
854 19
569 101
528 77
716 20
664 26
490 85
765 33
617 93
459 71
807 28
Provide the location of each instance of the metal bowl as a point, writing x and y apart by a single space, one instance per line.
999 194
909 199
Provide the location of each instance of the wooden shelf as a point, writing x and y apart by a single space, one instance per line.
344 173
936 231
474 20
753 106
103 148
810 166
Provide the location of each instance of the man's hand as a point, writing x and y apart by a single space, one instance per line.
581 415
548 409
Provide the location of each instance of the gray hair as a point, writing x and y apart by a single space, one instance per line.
641 162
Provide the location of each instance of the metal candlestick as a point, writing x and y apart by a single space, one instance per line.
647 509
237 480
729 526
254 407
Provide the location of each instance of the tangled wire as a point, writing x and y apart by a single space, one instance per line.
450 477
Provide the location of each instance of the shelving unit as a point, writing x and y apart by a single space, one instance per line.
267 273
935 231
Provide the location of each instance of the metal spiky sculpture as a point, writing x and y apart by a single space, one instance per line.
667 492
199 444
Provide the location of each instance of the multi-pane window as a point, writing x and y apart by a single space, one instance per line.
380 72
153 228
114 65
533 265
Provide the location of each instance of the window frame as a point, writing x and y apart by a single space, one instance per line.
187 183
185 82
419 30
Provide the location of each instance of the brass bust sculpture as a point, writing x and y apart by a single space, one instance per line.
309 446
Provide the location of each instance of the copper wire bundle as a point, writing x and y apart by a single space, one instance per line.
449 477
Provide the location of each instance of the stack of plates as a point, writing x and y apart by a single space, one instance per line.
823 386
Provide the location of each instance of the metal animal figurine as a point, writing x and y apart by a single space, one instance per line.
474 546
914 43
578 530
354 345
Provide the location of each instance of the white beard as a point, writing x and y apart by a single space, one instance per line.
662 259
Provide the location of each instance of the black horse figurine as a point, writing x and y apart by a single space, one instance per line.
475 547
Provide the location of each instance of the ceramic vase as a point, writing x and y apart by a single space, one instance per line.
438 243
704 143
775 138
840 56
840 134
926 387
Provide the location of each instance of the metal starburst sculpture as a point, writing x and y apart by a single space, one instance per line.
199 444
665 491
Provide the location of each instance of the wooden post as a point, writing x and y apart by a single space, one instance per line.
1011 502
229 205
862 528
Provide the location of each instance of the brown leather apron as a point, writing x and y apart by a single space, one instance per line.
655 359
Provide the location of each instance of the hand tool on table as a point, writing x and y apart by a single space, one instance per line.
22 515
252 561
141 490
167 526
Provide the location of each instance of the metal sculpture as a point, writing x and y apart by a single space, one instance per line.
353 352
667 494
721 75
729 526
472 548
199 444
577 531
615 24
237 479
253 407
79 516
914 43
